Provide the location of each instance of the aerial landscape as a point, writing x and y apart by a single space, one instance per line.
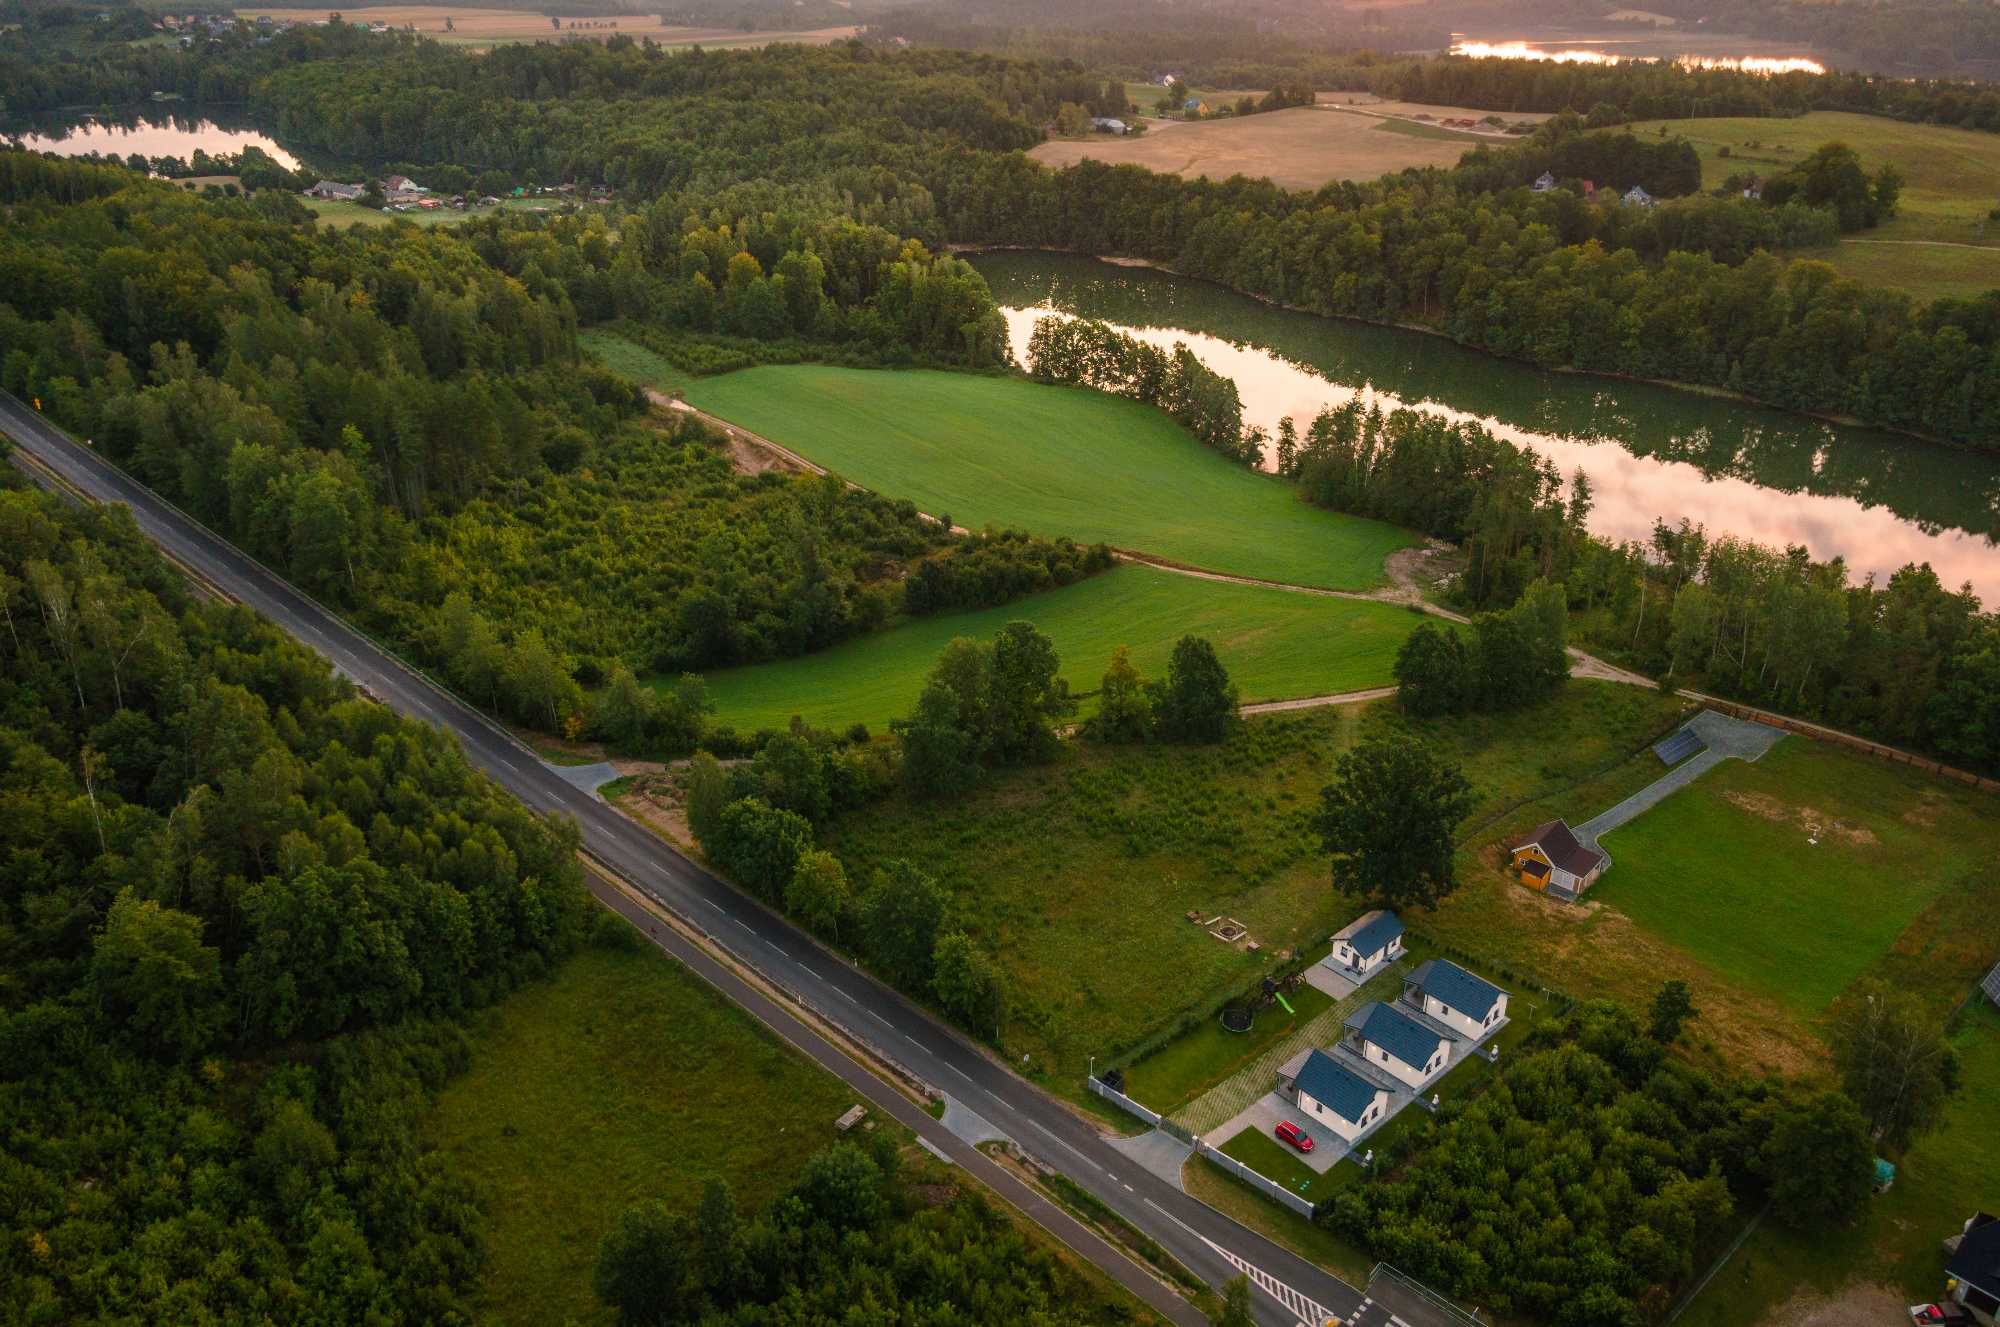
971 663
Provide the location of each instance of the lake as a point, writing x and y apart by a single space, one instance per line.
150 133
1601 51
1878 500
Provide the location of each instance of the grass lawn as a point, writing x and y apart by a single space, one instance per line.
1793 875
1275 643
1077 876
1197 1060
1053 460
600 1087
1946 1175
333 211
1951 179
1274 1161
632 361
1219 1189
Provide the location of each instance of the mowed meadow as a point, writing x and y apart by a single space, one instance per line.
1277 644
1054 461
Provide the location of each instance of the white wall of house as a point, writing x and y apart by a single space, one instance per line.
1457 1019
1345 955
1348 1130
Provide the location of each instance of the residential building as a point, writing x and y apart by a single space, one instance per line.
1455 998
1387 1038
1543 183
1107 124
1636 196
1333 1095
1553 859
1972 1277
335 190
1366 943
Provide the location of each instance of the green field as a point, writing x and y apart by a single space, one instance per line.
632 361
1200 1058
1795 874
598 1088
337 213
1053 460
1275 643
1951 180
1077 876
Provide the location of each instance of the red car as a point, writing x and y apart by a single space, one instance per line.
1291 1133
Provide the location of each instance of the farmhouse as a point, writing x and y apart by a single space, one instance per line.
1973 1274
335 190
1456 998
1397 1042
1551 858
1543 183
1364 944
1336 1096
1637 196
401 184
1107 124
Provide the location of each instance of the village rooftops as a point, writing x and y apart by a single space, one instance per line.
1371 931
1453 985
1335 1086
1395 1032
1561 847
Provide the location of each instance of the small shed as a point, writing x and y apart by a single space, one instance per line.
1551 857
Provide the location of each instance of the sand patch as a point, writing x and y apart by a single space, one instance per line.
1815 823
1855 1305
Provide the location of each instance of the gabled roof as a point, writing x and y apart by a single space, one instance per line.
1335 1086
1371 930
1469 995
1977 1262
1395 1032
1561 847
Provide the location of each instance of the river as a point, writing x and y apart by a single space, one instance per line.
153 132
1617 50
1878 500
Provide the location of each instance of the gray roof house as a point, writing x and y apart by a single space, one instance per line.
1455 997
1333 1094
1365 943
1387 1037
1543 183
334 189
1974 1269
1637 196
1108 124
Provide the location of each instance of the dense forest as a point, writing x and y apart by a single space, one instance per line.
244 915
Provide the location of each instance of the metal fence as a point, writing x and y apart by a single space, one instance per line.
1414 1302
1263 1184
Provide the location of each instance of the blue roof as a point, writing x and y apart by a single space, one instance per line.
1376 934
1469 995
1336 1086
1396 1032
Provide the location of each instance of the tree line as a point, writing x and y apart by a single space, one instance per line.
1088 353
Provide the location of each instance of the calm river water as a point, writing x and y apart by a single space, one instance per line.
1878 500
151 133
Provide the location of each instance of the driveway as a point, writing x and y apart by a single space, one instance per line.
1727 739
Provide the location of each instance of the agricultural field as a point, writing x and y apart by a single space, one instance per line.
1951 182
1054 461
632 361
1300 148
1066 872
492 27
587 1093
335 212
1277 644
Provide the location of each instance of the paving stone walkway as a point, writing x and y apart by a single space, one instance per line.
1235 1093
1727 738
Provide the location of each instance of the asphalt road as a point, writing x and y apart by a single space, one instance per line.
868 1011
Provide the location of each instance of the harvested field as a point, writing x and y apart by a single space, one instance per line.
1301 148
492 26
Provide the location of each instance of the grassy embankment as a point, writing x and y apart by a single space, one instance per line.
1951 181
1276 644
1054 460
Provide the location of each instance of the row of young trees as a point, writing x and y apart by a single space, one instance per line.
1085 352
246 912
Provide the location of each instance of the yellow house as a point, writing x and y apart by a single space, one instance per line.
1552 858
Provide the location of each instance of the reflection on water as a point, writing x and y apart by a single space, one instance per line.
153 134
1564 53
1880 501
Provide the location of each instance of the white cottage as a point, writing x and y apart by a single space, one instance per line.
1366 943
1337 1097
1455 998
1392 1040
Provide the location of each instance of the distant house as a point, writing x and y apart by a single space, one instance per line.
1543 183
1636 196
1456 998
1334 1095
333 189
1754 190
1393 1040
1106 124
1589 191
401 184
1552 858
1366 943
1972 1277
1195 106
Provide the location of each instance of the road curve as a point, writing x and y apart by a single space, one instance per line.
867 1010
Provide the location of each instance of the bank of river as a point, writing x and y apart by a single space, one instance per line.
1878 500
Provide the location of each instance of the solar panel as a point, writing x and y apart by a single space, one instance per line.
1678 747
1992 984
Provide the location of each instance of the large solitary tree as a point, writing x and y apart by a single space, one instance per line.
1388 820
1198 701
1893 1059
